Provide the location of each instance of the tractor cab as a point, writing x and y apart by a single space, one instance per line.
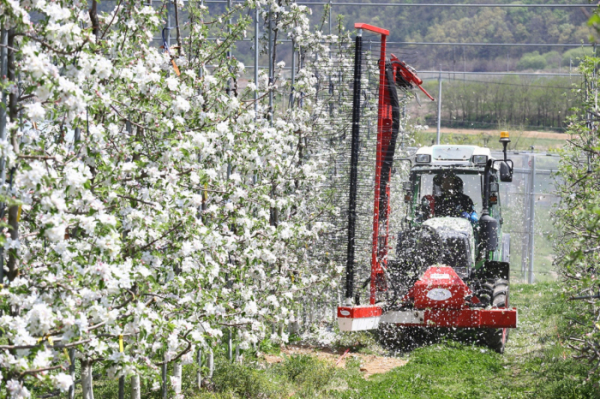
445 195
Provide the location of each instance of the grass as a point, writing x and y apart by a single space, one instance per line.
536 364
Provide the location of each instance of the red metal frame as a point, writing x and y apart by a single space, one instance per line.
460 318
468 318
378 253
379 248
371 28
408 74
356 312
450 310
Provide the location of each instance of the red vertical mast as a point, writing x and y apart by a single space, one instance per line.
383 126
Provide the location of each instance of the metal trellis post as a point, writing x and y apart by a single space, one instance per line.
228 55
200 64
122 387
439 110
531 221
256 28
271 66
168 27
330 7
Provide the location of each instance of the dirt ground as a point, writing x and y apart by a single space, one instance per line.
527 133
369 364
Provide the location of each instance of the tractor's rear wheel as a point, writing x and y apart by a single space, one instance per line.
495 338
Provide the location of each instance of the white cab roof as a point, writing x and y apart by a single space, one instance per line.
453 154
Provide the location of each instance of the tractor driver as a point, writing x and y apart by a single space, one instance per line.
451 201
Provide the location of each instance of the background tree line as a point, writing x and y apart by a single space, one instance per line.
447 25
472 25
542 103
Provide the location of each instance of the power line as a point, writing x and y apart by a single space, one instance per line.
348 46
503 73
495 44
509 84
307 3
478 124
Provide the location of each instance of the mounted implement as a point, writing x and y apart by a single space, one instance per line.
449 269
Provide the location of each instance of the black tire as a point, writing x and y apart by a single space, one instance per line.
485 293
495 338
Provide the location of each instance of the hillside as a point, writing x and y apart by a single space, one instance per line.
474 25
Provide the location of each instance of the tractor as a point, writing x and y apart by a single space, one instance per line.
450 270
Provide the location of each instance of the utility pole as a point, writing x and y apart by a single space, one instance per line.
271 66
168 28
228 53
439 115
330 7
531 219
256 28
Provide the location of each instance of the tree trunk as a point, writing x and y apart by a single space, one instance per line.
199 373
177 374
211 363
86 380
136 391
13 211
94 18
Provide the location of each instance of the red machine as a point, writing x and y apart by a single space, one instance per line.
440 298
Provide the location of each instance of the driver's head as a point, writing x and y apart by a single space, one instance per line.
449 183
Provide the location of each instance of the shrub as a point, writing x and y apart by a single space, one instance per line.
532 61
247 381
575 56
553 58
306 369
